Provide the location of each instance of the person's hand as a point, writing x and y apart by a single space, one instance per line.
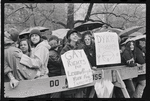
138 65
94 68
38 74
20 54
14 83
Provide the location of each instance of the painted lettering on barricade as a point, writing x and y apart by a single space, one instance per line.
107 48
77 68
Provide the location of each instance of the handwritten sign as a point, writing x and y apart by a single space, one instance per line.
107 48
77 68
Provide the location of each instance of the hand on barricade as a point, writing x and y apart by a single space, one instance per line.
38 74
94 68
14 83
138 65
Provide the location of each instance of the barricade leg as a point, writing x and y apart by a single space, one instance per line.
119 83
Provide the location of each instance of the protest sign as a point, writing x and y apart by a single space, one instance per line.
107 48
77 68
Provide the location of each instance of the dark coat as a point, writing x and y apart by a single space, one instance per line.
54 64
137 55
91 54
66 48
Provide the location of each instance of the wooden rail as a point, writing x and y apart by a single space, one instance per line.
28 88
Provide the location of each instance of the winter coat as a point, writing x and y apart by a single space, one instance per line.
39 58
91 54
130 59
66 48
54 64
12 63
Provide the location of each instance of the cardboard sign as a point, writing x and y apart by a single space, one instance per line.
107 48
77 68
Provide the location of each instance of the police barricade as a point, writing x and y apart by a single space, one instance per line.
35 87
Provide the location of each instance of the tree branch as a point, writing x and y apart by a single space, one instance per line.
75 10
113 14
89 12
64 25
14 12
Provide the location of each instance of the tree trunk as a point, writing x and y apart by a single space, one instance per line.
70 16
88 12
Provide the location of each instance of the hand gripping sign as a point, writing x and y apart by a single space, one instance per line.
77 68
107 48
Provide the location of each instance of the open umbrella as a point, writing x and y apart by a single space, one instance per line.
60 33
88 26
26 32
139 37
42 29
115 30
135 38
129 31
135 34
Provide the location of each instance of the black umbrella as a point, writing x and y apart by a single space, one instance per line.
88 26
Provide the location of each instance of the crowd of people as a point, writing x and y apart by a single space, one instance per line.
36 57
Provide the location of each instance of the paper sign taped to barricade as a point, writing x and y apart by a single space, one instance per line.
77 68
107 48
104 88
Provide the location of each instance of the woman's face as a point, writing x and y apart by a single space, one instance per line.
35 38
24 46
87 40
74 37
131 46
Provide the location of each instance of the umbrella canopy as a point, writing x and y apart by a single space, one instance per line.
27 31
42 29
88 26
115 30
135 34
60 33
129 31
135 38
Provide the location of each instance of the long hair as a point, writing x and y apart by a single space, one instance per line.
34 45
132 53
25 39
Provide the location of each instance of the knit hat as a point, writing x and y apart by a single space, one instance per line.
12 34
53 37
35 31
70 32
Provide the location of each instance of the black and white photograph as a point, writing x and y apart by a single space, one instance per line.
74 50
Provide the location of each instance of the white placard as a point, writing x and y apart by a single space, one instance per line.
107 48
77 68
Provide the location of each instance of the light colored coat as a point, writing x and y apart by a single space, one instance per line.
12 63
39 58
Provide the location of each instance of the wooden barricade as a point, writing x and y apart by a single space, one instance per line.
29 88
